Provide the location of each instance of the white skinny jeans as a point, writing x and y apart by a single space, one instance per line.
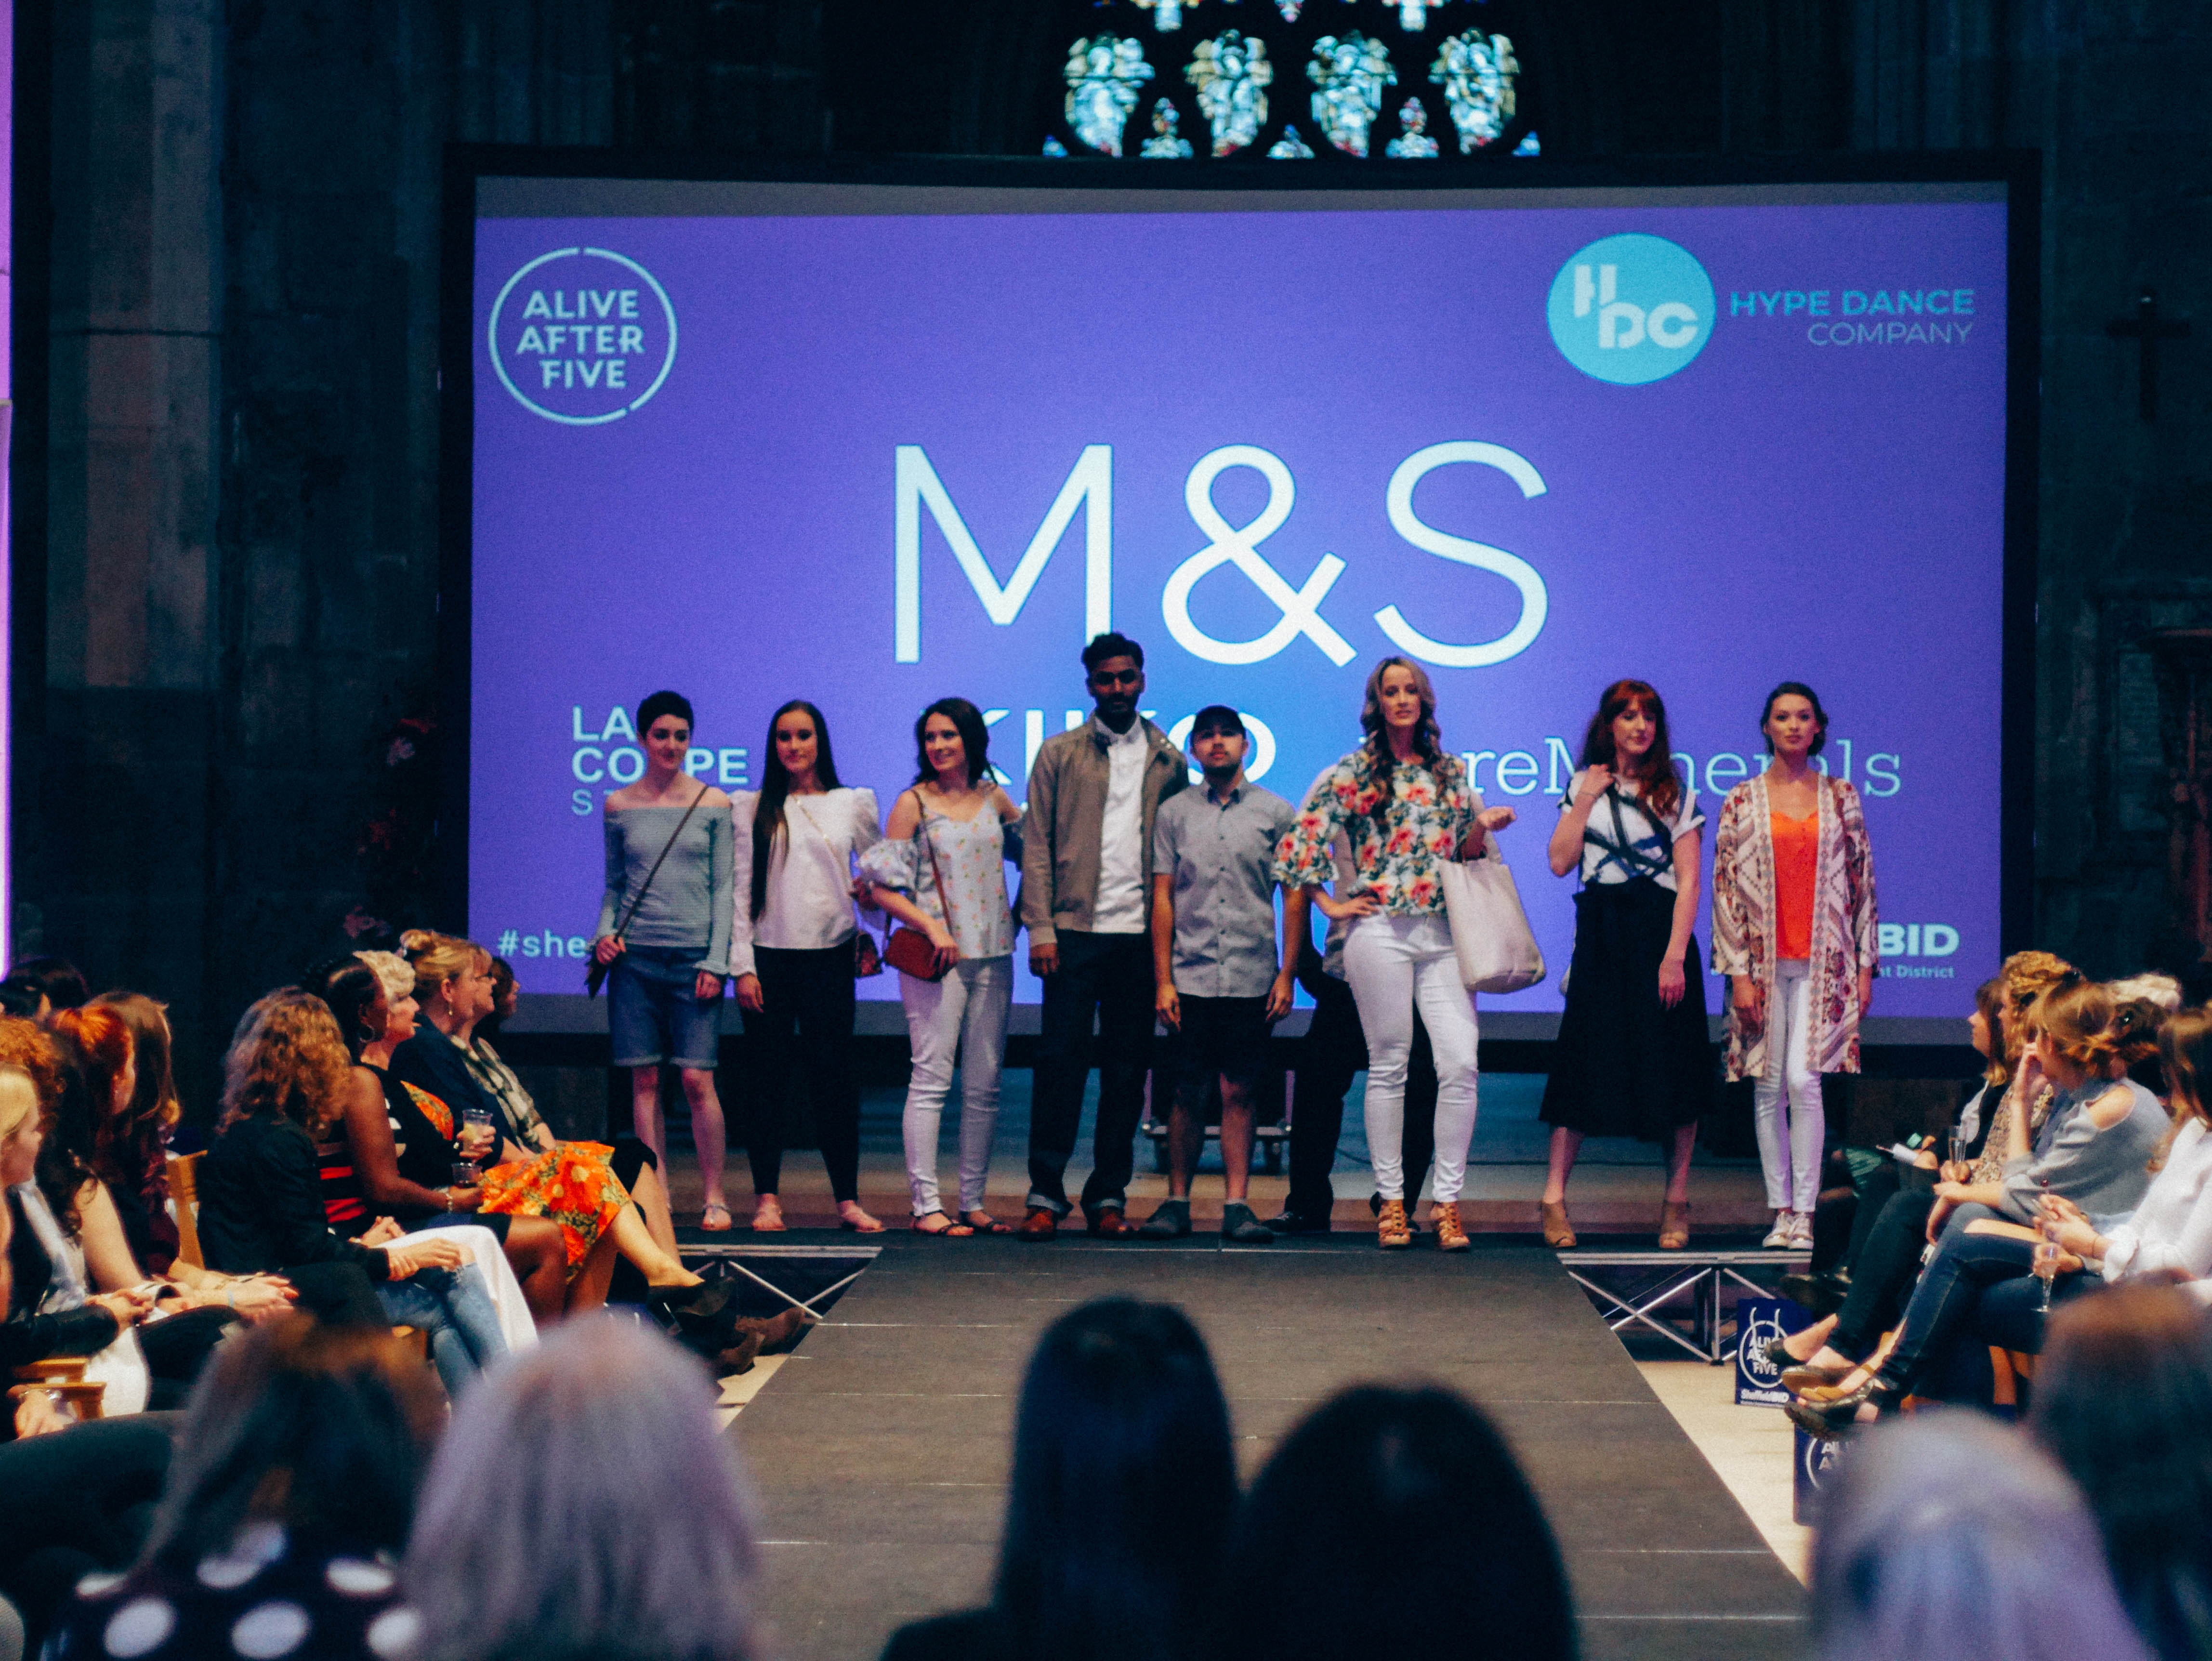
1393 964
968 1007
1790 1156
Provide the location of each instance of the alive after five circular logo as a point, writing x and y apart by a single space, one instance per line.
582 336
1632 308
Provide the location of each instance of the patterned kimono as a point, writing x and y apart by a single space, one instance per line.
1843 915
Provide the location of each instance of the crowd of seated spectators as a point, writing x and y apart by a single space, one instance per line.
374 1422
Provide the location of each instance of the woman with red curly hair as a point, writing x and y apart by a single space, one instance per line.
1404 801
1632 1058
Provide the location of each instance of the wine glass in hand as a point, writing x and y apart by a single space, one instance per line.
2046 1265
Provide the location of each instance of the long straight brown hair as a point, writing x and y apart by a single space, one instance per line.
1663 790
775 786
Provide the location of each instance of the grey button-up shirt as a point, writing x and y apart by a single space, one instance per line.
1222 857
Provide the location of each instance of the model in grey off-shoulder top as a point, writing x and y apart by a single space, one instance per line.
688 907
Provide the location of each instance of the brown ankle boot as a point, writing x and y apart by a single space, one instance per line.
1444 1217
1392 1232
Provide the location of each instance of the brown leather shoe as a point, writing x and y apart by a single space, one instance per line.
739 1356
777 1333
1558 1232
1109 1224
1042 1223
1673 1225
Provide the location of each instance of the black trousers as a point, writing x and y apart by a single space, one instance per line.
1108 976
805 1024
1333 1051
77 1500
1882 1278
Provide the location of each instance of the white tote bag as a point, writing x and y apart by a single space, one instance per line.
1490 936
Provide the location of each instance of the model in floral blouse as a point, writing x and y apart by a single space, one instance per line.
1794 931
1403 803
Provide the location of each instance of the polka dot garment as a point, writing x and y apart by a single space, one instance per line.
260 1600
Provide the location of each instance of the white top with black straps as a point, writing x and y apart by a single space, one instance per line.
1623 839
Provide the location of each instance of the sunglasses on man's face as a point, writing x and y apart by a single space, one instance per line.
1117 678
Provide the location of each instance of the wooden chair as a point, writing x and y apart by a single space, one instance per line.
184 1200
65 1379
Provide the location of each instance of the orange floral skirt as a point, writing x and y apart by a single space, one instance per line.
573 1184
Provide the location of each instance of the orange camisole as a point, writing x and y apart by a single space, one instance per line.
1797 860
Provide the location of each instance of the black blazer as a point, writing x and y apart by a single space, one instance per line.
261 1204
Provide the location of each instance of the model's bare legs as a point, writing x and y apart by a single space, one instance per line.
645 1111
1678 1165
1566 1145
1236 1138
706 1131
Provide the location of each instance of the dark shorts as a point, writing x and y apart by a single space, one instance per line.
1226 1037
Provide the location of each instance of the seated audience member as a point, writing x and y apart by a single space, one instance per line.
91 1126
2123 1402
1947 1537
1400 1500
1836 1251
288 1502
76 1495
586 1503
55 983
261 1205
565 1204
45 1323
386 1156
2094 1149
1123 1495
524 1127
1885 1261
2167 1236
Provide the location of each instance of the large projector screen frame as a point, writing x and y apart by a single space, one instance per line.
1896 1044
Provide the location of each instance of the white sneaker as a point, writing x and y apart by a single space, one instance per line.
1800 1231
1782 1235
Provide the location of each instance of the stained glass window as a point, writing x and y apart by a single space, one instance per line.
1289 80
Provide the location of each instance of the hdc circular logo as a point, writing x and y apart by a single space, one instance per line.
1632 308
582 336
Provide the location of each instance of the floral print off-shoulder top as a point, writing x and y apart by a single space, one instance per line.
1403 822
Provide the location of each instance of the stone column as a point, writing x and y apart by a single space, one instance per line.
120 873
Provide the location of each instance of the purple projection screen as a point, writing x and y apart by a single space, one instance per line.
873 445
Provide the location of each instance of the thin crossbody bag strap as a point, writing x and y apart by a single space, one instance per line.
630 912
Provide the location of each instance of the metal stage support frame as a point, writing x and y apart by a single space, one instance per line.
1661 1278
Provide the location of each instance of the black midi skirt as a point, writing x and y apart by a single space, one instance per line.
1625 1064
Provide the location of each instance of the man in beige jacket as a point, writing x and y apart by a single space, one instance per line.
1086 888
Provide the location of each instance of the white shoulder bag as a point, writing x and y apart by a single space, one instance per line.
1490 936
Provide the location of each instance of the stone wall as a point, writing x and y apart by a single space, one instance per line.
233 503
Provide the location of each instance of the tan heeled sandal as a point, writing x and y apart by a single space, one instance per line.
1392 1232
1444 1217
1558 1232
1673 1225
